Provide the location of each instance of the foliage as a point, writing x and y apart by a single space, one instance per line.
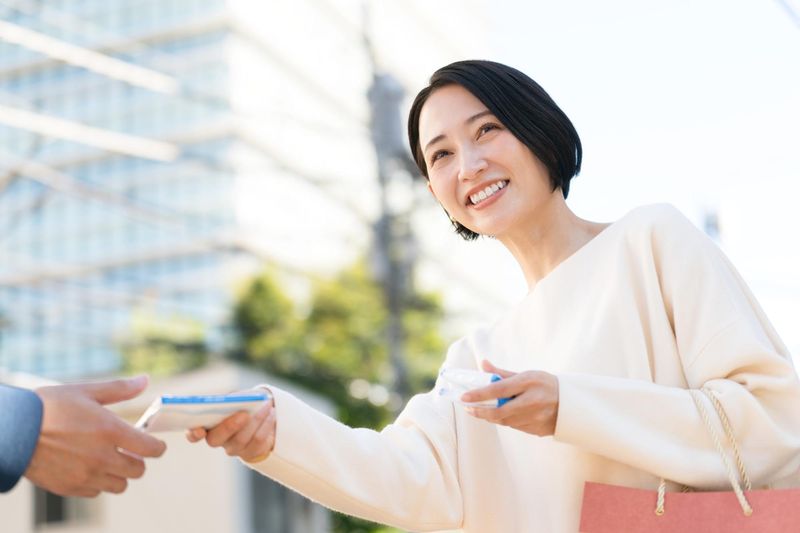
163 346
339 349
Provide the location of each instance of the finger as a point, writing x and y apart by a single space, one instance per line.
489 367
130 454
263 440
76 492
523 423
125 465
242 437
505 388
116 390
495 415
137 442
195 434
219 435
113 484
239 440
84 493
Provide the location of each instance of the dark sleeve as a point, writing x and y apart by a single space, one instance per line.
20 422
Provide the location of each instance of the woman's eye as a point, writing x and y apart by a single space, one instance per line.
486 128
438 155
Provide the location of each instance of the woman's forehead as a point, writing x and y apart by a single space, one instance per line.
446 108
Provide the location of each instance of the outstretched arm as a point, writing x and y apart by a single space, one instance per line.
405 475
20 419
83 448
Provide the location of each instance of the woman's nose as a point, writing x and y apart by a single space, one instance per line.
472 163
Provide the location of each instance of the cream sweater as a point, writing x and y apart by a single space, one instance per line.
648 308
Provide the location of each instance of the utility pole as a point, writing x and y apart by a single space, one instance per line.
394 247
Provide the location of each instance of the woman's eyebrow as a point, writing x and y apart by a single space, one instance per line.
471 119
476 116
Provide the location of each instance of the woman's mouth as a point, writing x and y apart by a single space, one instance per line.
480 198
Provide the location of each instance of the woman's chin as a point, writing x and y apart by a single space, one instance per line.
491 230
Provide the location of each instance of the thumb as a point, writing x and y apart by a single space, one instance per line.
117 390
489 367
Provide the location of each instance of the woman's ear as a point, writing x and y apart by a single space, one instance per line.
430 189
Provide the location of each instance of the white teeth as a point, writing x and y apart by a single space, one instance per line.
487 192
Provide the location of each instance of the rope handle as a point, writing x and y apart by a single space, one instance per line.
732 477
731 438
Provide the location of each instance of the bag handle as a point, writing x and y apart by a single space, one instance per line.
697 396
731 438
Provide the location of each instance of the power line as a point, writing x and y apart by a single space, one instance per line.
88 59
62 182
154 80
76 131
790 11
70 130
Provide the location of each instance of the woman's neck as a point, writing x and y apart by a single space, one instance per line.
544 242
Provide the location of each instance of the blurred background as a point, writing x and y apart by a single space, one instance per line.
219 193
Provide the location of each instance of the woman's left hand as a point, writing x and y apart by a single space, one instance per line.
534 404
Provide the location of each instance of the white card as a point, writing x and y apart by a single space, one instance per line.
179 413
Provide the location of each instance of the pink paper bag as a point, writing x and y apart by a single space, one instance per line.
614 509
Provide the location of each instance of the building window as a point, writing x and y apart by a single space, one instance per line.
276 508
51 509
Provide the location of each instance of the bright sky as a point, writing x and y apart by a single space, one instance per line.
692 103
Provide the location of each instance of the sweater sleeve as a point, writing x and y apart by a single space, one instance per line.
725 343
405 475
20 421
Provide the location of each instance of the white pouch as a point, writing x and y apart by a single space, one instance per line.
453 382
179 413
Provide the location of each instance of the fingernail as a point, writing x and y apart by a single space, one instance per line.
138 381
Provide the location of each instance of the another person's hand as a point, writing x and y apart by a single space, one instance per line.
534 404
250 437
85 449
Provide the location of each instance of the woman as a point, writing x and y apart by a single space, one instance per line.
619 322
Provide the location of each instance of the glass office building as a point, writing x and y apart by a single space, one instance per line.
89 234
153 151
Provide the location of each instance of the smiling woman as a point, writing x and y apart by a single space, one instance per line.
504 99
600 361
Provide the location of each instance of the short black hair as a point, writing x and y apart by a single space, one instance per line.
521 105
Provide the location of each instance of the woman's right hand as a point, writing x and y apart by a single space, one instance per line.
250 437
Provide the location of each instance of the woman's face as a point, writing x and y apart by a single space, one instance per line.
479 171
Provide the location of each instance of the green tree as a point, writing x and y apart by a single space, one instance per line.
163 346
339 348
268 330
